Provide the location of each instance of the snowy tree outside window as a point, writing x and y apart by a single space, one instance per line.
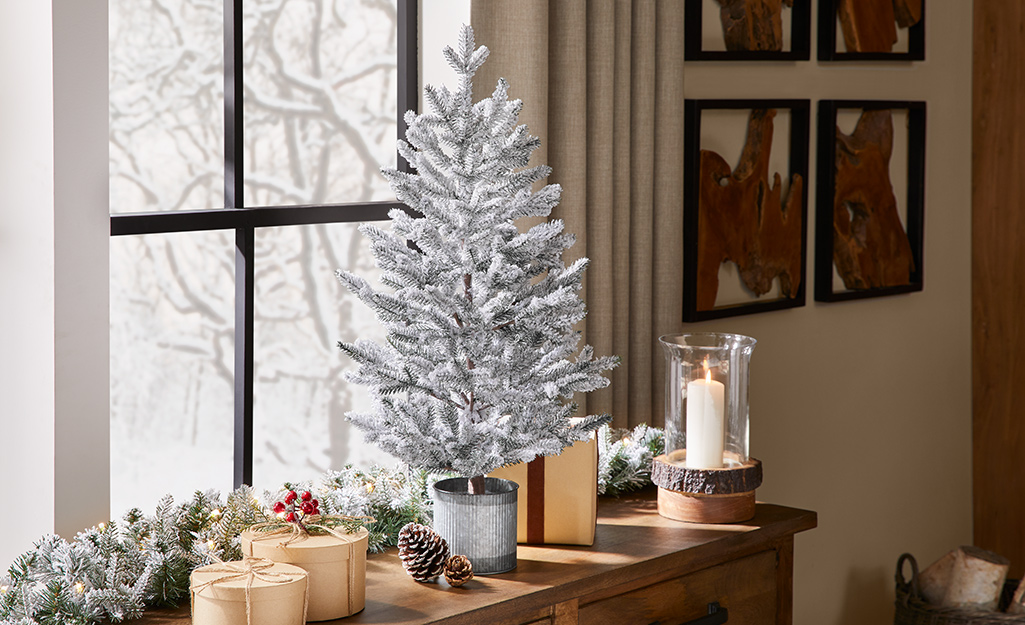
320 115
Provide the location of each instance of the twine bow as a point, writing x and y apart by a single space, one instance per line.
251 569
298 532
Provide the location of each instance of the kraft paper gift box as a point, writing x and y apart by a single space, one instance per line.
558 496
337 568
276 596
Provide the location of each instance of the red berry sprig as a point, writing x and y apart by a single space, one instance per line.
296 508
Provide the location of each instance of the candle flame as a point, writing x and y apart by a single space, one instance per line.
708 376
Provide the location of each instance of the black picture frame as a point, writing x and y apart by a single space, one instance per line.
827 39
825 191
799 111
800 37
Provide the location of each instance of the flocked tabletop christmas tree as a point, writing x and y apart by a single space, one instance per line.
481 363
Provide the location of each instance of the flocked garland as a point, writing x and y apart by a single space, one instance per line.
114 571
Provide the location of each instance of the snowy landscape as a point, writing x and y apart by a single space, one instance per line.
320 121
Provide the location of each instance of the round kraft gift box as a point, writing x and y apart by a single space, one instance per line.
337 568
277 595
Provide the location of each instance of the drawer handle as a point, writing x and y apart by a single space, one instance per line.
717 615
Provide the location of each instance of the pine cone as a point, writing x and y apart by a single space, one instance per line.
422 551
458 570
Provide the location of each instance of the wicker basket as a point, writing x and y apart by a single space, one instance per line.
913 610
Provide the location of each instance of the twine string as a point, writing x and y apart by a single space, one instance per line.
352 574
297 532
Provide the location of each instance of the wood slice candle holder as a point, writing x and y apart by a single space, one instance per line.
725 495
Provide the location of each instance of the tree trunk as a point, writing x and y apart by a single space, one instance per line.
476 485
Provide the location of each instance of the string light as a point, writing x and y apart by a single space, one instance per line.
211 544
80 588
216 514
103 526
3 590
370 487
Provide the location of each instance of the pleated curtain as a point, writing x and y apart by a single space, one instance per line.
602 86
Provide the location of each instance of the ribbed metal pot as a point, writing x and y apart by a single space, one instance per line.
480 527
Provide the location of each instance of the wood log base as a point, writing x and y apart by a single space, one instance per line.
725 495
696 508
671 473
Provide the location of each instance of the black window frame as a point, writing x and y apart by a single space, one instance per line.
245 220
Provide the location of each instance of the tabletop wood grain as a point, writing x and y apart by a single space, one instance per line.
633 547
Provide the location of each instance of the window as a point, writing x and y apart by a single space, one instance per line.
228 223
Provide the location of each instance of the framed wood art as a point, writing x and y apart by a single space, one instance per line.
871 30
747 30
870 199
745 225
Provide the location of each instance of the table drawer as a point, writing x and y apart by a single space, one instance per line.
746 587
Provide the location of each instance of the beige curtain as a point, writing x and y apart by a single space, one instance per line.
602 86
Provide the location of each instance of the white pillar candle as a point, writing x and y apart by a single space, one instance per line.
705 423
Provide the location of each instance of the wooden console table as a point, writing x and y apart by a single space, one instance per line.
641 569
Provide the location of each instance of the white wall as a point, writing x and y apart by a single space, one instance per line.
53 269
26 271
82 265
862 410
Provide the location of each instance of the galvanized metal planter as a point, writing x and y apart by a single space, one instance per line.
481 527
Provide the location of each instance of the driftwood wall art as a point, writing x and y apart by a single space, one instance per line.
871 25
752 30
859 229
870 28
870 247
753 24
743 219
741 215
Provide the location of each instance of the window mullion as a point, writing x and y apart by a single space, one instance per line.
244 242
233 119
408 77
